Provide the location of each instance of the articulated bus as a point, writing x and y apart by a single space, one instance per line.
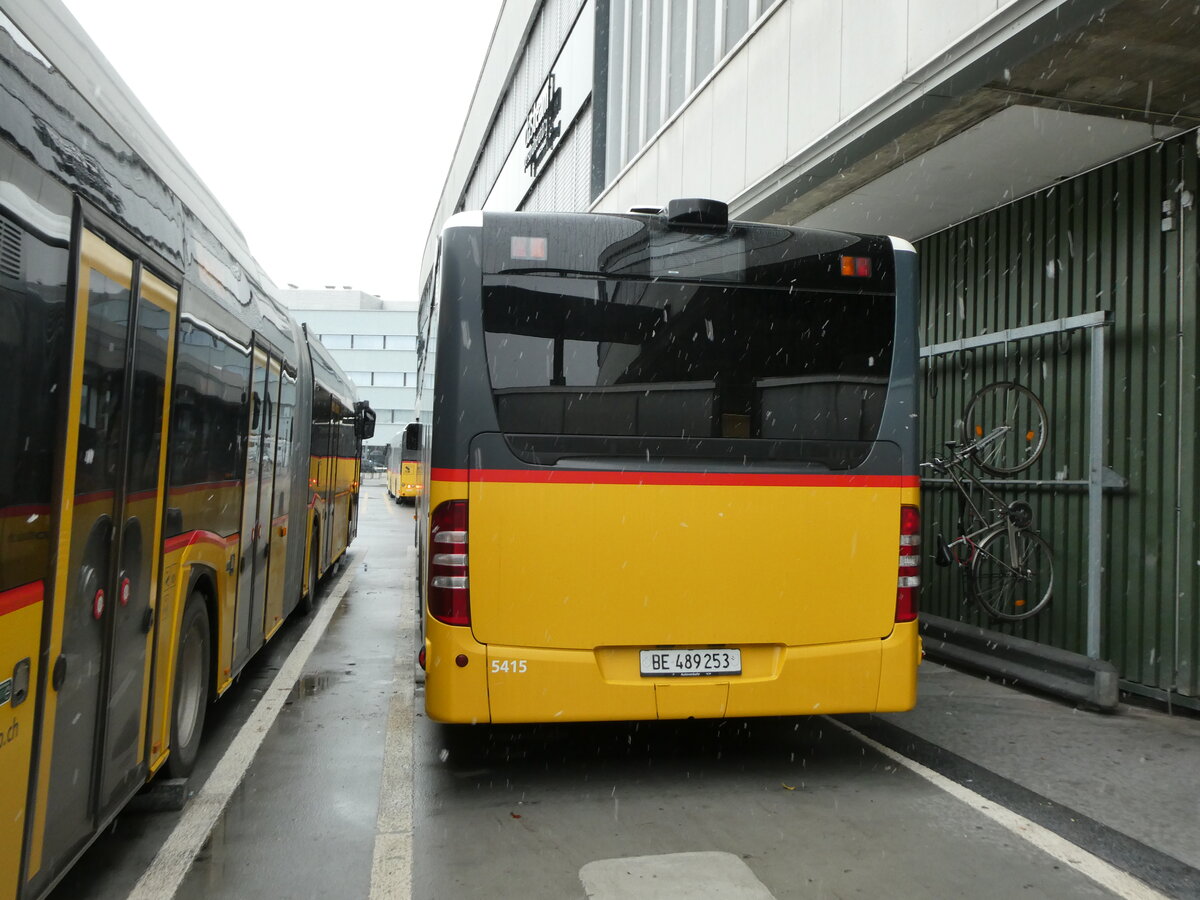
671 470
404 464
178 459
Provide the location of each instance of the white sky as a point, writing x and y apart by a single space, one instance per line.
325 131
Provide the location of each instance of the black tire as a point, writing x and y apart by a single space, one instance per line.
1014 405
1001 592
191 691
309 601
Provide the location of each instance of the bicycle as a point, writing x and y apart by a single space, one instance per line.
1008 567
1014 405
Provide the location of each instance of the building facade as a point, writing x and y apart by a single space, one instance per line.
1040 154
374 341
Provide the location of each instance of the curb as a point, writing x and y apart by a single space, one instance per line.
1071 676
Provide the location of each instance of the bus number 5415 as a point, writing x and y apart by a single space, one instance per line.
516 666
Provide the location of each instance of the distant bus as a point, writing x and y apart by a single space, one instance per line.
178 457
404 464
672 469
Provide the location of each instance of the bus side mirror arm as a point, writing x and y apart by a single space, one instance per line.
364 420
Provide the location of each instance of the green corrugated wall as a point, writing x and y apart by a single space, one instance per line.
1096 242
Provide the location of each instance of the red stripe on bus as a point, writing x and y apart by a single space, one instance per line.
12 512
20 597
198 537
761 479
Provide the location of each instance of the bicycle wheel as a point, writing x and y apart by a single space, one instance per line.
1014 405
1007 592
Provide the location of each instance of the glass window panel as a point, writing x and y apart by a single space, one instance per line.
336 341
654 60
616 84
401 342
368 342
633 114
677 64
704 37
33 293
737 21
630 359
362 379
389 379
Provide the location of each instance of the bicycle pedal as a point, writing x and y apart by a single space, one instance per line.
942 556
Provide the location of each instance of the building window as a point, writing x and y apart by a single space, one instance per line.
362 379
336 341
401 342
737 22
368 342
390 379
659 52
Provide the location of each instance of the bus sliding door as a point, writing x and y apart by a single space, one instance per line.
93 752
256 506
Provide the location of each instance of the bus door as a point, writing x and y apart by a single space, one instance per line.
256 506
329 484
93 752
282 463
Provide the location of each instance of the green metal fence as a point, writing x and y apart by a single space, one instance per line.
1110 240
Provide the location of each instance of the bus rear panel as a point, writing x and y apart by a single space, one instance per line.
670 470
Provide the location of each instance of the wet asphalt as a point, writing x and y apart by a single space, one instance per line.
800 807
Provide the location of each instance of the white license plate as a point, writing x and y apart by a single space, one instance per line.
658 663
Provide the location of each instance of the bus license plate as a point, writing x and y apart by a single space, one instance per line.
657 663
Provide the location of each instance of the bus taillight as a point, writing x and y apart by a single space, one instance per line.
909 583
449 595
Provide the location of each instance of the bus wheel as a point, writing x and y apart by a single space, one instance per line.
191 687
309 601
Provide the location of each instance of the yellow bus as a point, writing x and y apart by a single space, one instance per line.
671 469
178 459
404 464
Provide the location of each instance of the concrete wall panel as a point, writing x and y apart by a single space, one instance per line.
729 129
933 25
767 97
814 70
647 190
670 174
874 55
697 147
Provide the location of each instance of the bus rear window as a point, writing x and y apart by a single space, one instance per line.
685 361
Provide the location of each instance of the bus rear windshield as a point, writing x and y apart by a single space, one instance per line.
689 368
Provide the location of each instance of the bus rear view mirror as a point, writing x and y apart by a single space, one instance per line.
412 437
364 420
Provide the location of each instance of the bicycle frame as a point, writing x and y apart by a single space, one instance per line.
999 519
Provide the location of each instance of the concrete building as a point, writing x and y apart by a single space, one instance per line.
1042 156
374 341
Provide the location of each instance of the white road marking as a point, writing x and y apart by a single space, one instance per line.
672 876
174 859
391 864
1069 854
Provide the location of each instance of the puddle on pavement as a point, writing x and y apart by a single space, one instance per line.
314 683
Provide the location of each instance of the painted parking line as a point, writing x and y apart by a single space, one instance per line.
1067 853
672 876
174 859
391 863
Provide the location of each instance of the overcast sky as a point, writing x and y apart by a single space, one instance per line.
325 131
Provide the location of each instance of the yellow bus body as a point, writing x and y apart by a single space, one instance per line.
408 485
570 581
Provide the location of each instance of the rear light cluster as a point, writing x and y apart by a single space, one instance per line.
909 583
449 595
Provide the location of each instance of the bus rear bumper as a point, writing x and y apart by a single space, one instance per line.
525 684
